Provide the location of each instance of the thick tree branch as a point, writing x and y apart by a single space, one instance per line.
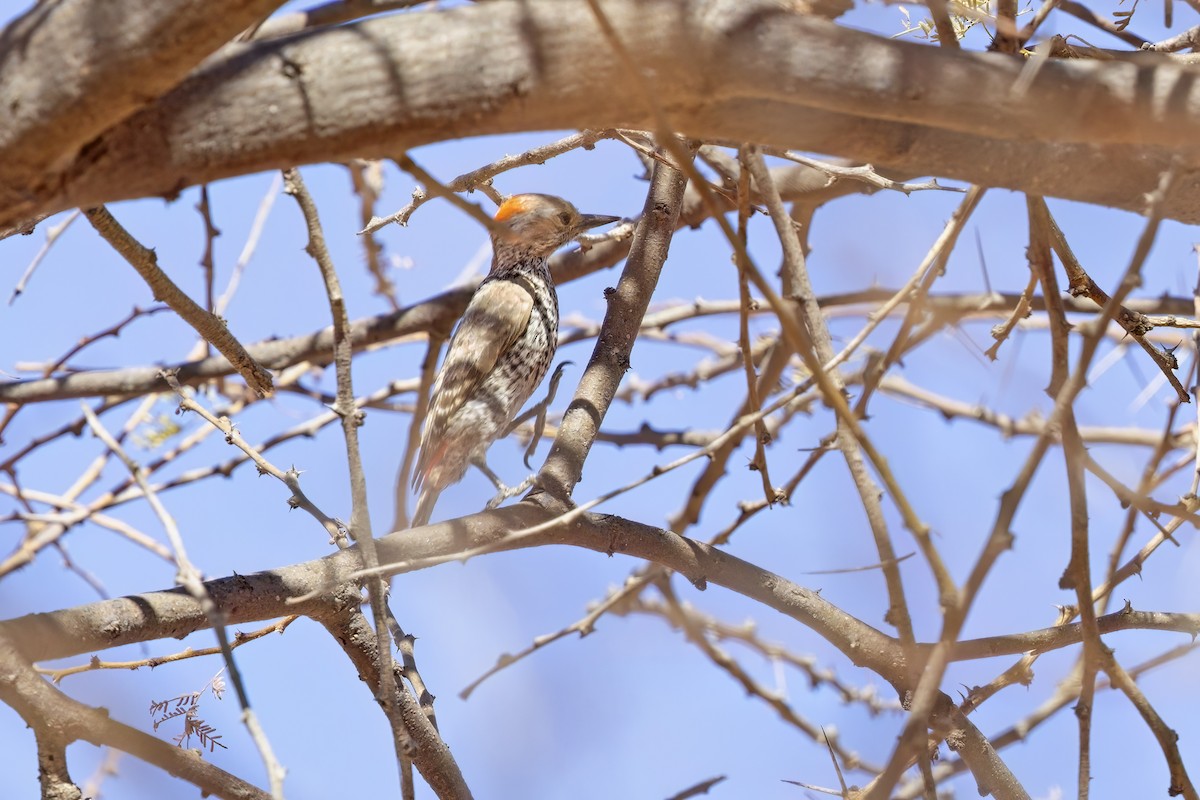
726 70
71 70
289 590
265 595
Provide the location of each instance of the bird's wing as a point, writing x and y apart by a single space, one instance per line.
498 313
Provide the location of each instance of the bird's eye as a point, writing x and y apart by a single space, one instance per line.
565 218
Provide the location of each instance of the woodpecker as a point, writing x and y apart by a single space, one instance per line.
503 345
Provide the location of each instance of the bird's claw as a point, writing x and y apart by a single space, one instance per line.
505 492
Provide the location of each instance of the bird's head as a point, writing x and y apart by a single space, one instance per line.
539 224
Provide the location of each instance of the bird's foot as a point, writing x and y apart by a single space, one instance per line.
505 492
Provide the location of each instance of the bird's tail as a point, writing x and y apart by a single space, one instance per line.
425 504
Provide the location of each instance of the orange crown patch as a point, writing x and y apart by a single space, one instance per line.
517 204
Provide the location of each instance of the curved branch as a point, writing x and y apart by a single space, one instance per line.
723 70
289 590
265 595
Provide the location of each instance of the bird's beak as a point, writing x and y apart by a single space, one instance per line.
589 221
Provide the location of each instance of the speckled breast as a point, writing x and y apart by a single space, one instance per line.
522 367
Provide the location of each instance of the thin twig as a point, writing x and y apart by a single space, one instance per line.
1168 740
252 239
239 639
1082 12
761 438
367 179
1078 574
189 577
289 478
864 172
211 232
816 349
211 328
1001 536
439 189
481 178
352 418
52 234
1022 311
681 617
1137 325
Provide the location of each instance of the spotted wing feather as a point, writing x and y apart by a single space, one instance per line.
497 315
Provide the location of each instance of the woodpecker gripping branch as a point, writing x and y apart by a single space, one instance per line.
503 346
